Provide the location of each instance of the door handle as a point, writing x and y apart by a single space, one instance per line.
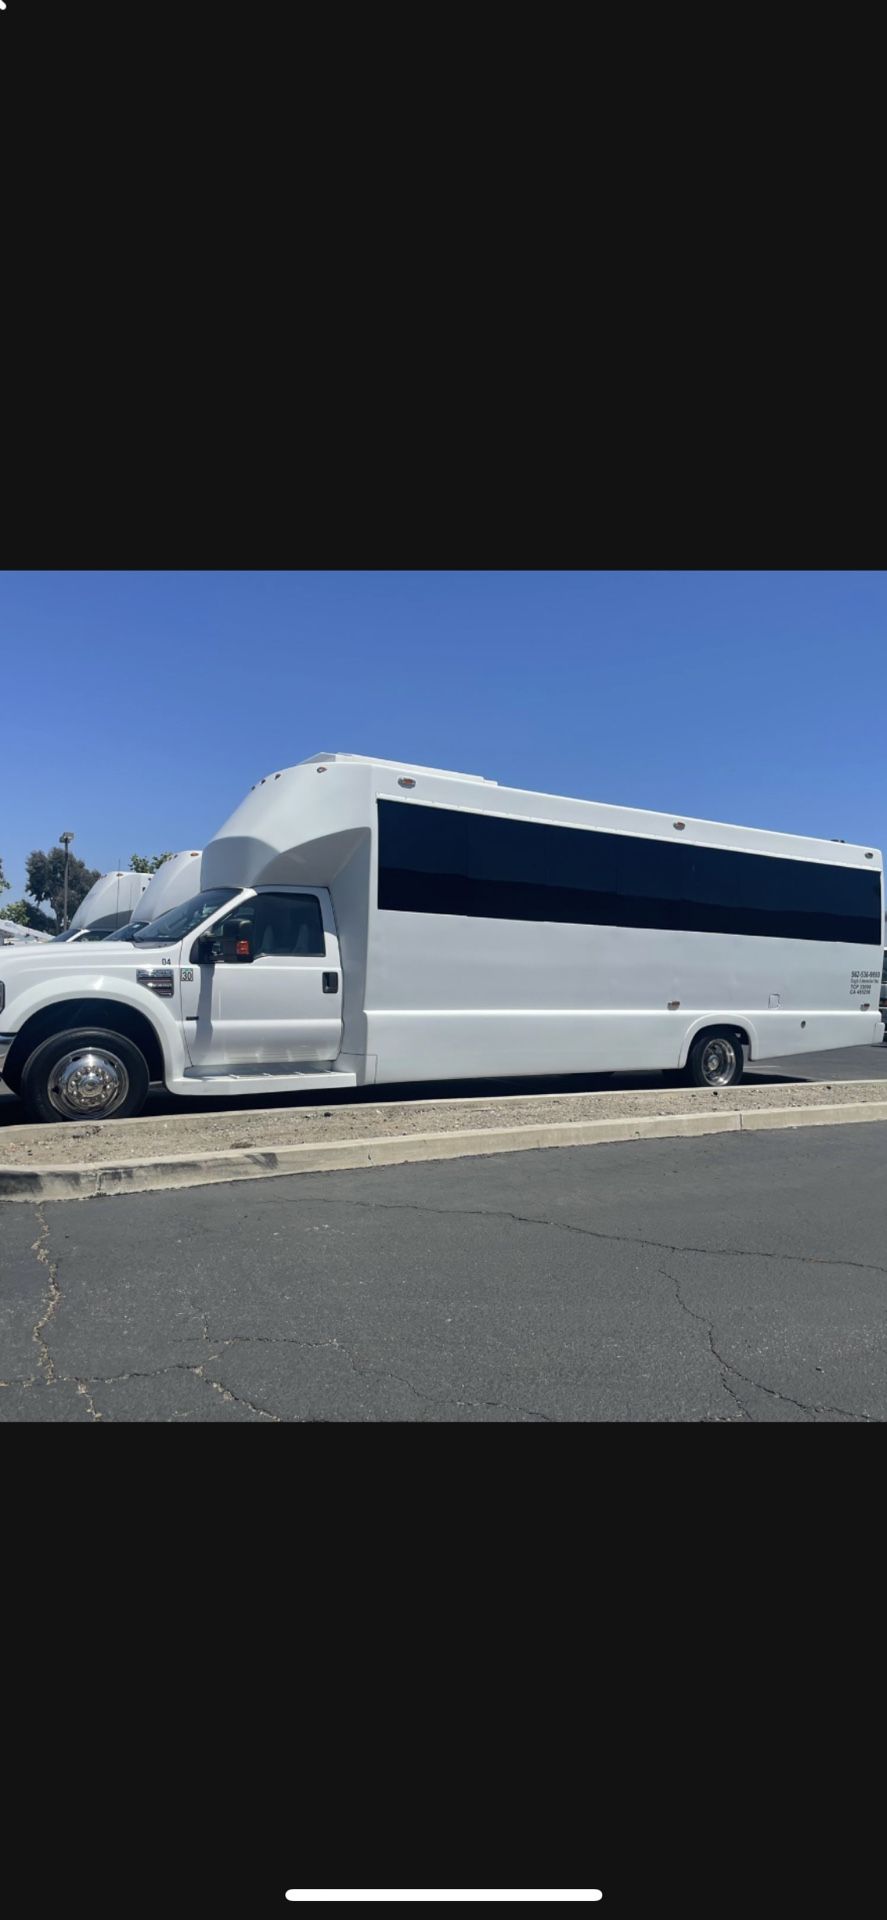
331 983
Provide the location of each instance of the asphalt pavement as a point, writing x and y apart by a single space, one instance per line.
735 1278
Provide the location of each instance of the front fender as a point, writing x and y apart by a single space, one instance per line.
162 1015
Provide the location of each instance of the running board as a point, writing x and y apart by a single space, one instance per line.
231 1084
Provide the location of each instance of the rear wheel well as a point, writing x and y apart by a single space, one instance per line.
731 1028
112 1015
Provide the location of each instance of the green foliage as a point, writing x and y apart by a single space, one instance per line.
25 915
46 881
141 863
4 883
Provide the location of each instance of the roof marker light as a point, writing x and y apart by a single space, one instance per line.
406 783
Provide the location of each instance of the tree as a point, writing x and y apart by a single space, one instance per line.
140 863
4 883
46 881
24 915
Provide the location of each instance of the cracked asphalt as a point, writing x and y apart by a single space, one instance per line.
737 1278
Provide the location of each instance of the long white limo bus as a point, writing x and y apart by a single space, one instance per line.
365 922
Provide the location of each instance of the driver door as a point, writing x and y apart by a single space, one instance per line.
272 994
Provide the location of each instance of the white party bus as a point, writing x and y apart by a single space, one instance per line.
365 922
174 881
107 906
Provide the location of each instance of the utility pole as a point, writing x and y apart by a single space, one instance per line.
66 839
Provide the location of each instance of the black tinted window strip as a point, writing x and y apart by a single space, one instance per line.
480 866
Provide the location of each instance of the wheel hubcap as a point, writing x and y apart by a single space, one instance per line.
89 1082
719 1063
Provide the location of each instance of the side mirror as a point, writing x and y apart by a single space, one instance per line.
231 942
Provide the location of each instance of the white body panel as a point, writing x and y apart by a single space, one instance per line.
73 974
273 1012
393 995
177 880
109 904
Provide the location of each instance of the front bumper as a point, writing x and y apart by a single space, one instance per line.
6 1040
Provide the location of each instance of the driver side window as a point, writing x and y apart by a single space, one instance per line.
288 923
272 924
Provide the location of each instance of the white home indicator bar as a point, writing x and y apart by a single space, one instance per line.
485 1893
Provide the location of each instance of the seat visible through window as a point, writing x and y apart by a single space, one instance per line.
288 924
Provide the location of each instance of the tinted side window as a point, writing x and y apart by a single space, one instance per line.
286 923
438 860
274 923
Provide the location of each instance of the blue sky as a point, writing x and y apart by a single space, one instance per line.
140 707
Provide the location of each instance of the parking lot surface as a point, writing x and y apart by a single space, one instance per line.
738 1278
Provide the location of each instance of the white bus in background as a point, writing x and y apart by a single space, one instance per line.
176 880
369 922
13 934
107 906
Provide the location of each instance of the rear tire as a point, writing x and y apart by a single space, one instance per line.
86 1075
716 1060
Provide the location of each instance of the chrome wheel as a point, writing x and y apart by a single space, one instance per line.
90 1081
718 1062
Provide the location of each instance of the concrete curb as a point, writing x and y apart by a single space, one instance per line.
180 1170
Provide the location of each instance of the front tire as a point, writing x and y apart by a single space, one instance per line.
716 1060
87 1075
